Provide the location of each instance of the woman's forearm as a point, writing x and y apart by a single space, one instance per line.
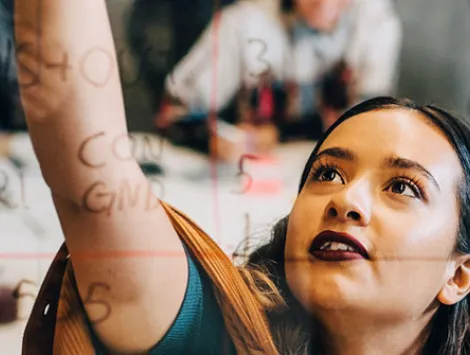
70 90
75 116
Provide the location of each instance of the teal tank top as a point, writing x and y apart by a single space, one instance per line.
199 327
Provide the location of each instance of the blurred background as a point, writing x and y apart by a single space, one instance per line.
225 107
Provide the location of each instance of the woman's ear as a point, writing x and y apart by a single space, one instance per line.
458 283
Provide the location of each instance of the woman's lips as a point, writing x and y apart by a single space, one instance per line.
356 249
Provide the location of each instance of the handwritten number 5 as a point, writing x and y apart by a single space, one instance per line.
243 173
90 300
262 52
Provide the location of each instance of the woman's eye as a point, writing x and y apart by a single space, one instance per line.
404 189
329 175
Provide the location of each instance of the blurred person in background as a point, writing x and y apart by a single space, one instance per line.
280 70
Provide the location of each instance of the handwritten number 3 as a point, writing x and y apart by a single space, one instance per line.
264 48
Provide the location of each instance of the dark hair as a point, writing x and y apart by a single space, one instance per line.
449 333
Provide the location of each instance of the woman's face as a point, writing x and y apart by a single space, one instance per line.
388 178
322 15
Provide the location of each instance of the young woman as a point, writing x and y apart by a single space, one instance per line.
373 258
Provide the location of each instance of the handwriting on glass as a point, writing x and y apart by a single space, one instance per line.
151 151
95 53
260 56
243 173
100 197
91 300
26 50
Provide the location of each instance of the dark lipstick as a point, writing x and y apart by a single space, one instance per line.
359 252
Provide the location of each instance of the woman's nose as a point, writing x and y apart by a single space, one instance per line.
354 215
350 205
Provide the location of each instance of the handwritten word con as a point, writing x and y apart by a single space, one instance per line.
152 151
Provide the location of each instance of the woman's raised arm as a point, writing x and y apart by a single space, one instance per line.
128 260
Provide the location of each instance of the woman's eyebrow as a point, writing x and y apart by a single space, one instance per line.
402 163
337 152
